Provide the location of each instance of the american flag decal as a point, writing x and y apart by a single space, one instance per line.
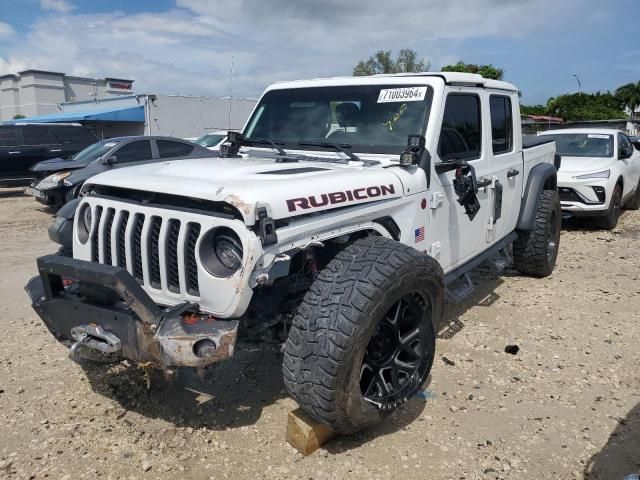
419 234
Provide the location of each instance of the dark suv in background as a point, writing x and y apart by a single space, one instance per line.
24 145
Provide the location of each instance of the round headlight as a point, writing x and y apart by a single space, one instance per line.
229 252
221 252
84 223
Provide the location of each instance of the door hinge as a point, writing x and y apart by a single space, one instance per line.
434 249
436 200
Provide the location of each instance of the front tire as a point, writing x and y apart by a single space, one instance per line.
363 339
610 220
535 252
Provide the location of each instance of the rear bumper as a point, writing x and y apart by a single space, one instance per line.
101 307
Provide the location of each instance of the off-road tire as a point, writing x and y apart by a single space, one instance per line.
634 202
535 252
609 220
331 331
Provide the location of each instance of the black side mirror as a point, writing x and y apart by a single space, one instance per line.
636 143
465 184
110 160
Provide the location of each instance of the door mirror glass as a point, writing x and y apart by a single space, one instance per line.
110 160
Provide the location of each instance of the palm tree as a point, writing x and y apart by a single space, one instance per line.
629 95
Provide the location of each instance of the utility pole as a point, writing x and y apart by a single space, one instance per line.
230 91
579 84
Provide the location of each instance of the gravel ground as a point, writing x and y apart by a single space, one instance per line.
566 405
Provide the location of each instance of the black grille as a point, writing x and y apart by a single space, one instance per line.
154 251
107 235
122 240
173 276
137 247
95 255
569 195
191 268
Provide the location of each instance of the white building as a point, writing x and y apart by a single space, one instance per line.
38 92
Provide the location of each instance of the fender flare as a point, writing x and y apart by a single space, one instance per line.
61 230
542 176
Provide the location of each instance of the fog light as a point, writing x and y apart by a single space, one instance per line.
204 348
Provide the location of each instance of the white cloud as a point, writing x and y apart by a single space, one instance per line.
188 49
61 6
6 31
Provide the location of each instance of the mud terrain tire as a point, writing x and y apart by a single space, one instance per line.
345 321
535 252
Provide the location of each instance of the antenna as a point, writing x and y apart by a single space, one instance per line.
230 90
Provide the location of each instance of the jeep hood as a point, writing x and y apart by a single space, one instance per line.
287 189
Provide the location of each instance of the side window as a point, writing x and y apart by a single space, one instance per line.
461 134
70 134
501 124
134 152
8 137
35 135
168 149
625 148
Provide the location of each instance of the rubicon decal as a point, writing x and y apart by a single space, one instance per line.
315 201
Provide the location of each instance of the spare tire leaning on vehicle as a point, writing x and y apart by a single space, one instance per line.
363 340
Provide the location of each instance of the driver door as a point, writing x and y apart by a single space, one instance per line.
458 237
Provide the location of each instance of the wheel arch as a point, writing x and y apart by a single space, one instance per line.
543 176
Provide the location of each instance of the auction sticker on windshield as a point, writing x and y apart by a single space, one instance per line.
406 94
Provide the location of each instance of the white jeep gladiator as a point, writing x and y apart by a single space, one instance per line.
337 221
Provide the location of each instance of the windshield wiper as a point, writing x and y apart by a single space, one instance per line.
264 141
335 146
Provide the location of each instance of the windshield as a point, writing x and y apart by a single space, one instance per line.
583 144
210 140
367 118
94 151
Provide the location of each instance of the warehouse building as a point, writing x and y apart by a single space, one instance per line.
110 108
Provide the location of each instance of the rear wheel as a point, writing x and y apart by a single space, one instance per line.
610 220
535 252
363 339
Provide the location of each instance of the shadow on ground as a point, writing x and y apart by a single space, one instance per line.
229 395
12 192
621 455
485 281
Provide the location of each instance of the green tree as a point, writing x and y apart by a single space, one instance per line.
533 109
584 106
382 62
487 71
18 117
629 96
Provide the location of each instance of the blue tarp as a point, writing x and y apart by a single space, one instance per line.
121 114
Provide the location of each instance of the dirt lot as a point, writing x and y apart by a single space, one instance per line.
566 404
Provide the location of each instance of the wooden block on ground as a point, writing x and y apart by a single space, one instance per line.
305 434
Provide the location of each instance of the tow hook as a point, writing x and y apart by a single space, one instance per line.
93 337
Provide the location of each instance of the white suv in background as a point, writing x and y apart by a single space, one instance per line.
599 173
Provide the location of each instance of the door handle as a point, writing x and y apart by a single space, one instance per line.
512 173
484 182
56 150
14 153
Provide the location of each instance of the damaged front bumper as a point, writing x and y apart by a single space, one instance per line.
102 309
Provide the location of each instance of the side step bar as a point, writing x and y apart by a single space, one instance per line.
458 283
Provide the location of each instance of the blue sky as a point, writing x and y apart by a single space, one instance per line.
185 46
